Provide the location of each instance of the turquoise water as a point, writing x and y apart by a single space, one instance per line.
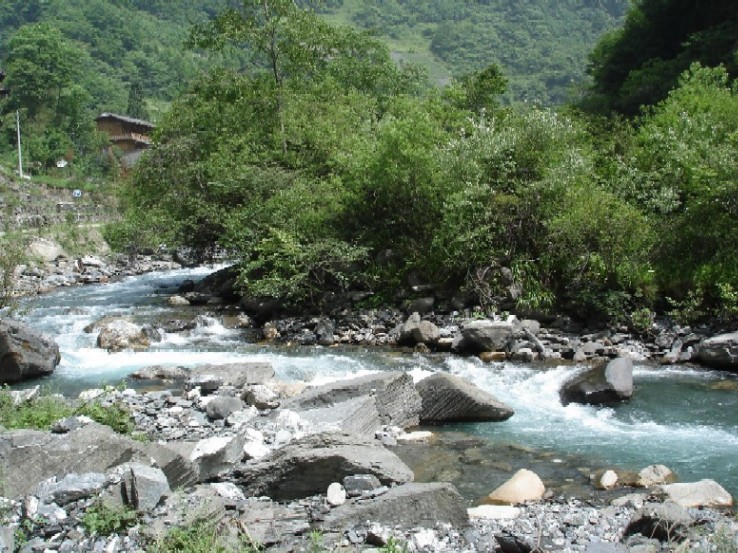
683 417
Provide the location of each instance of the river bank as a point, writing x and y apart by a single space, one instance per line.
218 456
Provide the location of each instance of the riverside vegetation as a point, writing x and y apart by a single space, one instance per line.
320 164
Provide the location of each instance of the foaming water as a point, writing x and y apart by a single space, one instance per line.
679 416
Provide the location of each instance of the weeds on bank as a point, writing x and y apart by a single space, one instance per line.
42 412
103 520
201 537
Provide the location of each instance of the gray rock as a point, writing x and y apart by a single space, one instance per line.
25 353
720 351
393 394
217 454
237 375
148 485
417 331
28 457
448 398
485 335
354 416
309 465
603 385
71 487
324 330
200 504
158 372
662 521
407 506
357 484
221 407
261 396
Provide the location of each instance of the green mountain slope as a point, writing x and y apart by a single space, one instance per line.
542 45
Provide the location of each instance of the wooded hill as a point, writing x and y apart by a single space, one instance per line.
137 45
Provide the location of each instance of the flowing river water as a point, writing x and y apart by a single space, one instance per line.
683 417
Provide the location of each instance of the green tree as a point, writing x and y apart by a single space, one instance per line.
41 64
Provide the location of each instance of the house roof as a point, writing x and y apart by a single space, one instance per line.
124 119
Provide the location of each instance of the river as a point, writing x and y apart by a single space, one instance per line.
683 417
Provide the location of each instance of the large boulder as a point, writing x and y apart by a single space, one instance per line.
448 398
25 353
28 457
46 250
705 493
525 485
485 335
309 465
387 398
720 351
120 334
408 506
606 384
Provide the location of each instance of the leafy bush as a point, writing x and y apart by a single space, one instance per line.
103 520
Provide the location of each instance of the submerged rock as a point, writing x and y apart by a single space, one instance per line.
604 385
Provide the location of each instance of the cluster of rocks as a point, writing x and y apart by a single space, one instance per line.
49 267
277 462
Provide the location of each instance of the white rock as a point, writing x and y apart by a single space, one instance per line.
654 475
608 480
525 485
425 540
228 490
89 395
336 495
178 301
418 436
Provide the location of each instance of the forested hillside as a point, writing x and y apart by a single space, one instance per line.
540 45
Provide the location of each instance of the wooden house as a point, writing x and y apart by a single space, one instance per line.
131 136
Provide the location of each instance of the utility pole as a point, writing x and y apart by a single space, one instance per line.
20 152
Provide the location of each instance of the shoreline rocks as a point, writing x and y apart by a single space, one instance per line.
372 502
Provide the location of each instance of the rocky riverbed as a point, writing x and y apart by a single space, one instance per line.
226 438
315 469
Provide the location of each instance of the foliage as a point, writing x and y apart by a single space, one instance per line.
102 519
326 168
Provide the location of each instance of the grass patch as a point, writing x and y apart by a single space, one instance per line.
102 519
202 537
42 412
